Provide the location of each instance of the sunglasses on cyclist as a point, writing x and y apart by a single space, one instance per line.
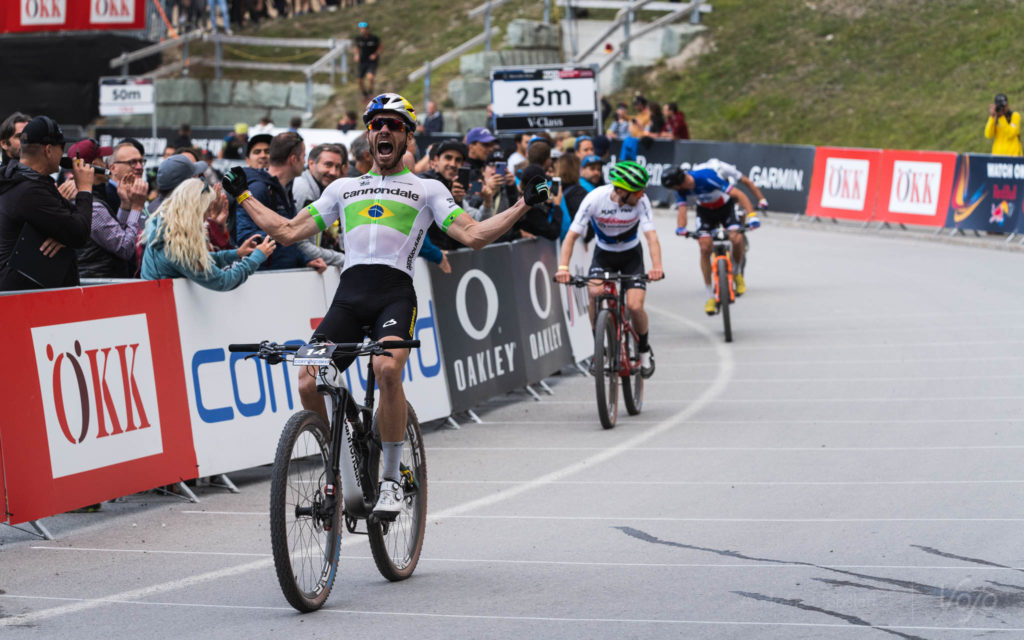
393 124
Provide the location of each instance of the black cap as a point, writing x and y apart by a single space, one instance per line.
1000 100
451 144
42 130
257 139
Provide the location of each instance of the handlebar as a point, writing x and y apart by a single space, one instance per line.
275 352
583 281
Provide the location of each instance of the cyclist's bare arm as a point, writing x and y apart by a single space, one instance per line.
748 183
478 235
681 216
282 229
567 246
654 247
742 199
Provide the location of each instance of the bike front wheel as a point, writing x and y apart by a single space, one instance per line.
633 384
724 296
606 371
305 531
396 545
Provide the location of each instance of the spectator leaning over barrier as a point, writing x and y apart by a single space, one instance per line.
360 160
110 251
433 122
45 220
270 187
10 130
176 242
326 163
257 152
235 143
1004 126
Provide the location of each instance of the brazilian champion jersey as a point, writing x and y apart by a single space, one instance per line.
615 225
384 218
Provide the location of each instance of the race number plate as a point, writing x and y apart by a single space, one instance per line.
315 354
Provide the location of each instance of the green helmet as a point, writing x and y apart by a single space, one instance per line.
629 176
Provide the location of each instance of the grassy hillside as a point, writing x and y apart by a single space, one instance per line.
915 74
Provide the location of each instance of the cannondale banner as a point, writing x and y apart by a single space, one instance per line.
484 354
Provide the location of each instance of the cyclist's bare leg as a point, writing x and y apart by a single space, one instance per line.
308 396
737 248
705 259
635 304
391 412
594 290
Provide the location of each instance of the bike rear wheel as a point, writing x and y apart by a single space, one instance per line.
633 384
396 545
305 523
724 295
606 370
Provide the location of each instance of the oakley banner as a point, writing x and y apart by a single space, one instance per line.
541 319
781 172
987 194
845 183
94 397
478 321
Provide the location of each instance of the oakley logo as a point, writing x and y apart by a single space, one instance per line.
490 301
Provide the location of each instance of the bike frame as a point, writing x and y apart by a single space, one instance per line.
348 433
721 250
614 299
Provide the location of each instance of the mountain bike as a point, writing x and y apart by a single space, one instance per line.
722 272
616 348
325 475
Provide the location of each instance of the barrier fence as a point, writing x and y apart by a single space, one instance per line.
120 388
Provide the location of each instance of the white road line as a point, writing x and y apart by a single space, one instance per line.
820 448
718 386
578 563
447 514
1015 398
977 359
833 346
743 483
827 379
464 616
766 421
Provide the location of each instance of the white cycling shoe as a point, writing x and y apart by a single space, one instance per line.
389 500
647 363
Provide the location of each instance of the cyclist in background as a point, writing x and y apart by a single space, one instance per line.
616 212
713 186
384 216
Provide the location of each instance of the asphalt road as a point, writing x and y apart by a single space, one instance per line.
849 467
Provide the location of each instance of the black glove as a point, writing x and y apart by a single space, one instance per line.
536 191
234 182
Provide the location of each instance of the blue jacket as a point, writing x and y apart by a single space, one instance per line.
269 190
225 274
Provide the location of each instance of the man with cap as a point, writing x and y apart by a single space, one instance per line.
257 153
366 49
591 175
235 143
1004 126
51 220
172 172
110 251
10 131
584 146
480 142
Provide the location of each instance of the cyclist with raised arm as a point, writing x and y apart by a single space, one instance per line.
384 216
617 212
713 185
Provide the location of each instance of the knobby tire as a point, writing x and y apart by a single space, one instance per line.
724 295
606 375
633 384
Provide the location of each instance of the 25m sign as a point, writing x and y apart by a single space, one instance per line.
554 97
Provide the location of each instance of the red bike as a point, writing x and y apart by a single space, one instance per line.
616 348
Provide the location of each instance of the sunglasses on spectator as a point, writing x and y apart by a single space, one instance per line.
393 124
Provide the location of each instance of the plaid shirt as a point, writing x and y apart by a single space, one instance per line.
117 235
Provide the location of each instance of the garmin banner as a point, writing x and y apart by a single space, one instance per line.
987 194
478 321
541 319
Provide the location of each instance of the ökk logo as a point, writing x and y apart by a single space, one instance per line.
38 12
112 11
98 393
915 187
846 182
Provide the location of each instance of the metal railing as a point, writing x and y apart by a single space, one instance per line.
328 63
623 49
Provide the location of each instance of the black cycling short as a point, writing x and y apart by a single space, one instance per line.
369 295
710 219
370 66
628 262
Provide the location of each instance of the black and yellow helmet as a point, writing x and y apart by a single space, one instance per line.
629 175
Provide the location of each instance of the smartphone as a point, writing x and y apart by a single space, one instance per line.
499 168
556 186
463 177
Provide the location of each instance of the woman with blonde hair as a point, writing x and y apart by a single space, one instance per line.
176 242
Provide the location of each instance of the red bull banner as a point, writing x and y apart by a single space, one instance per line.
844 183
915 187
95 405
26 16
987 194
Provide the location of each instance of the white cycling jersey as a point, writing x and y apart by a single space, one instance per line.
615 225
384 218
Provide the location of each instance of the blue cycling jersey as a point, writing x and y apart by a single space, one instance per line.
712 185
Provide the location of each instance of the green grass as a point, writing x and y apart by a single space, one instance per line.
902 74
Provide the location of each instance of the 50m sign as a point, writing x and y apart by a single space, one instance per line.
125 96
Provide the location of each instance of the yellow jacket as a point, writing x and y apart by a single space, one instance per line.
1007 135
